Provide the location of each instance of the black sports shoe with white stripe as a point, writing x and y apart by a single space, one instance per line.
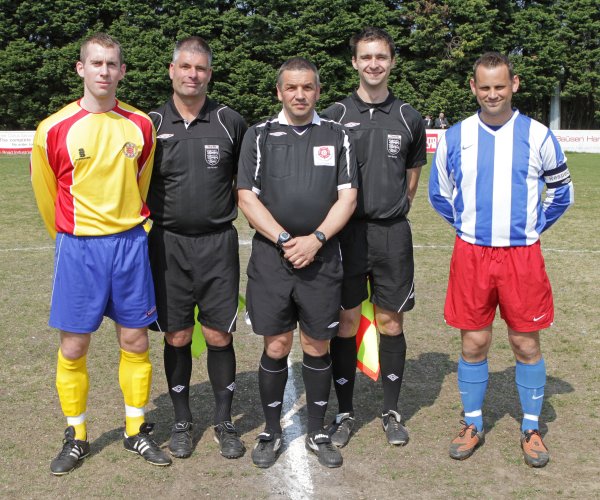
341 429
395 432
181 443
230 444
266 449
320 444
72 451
144 445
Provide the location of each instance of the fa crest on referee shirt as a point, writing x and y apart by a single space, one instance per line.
212 154
393 144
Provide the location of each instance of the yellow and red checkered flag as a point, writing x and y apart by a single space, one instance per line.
198 341
367 348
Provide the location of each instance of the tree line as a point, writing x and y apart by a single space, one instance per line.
551 42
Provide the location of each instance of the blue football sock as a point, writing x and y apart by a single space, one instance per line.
472 384
531 380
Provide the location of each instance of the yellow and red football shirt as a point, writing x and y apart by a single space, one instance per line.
90 172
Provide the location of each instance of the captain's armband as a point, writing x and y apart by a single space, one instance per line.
559 176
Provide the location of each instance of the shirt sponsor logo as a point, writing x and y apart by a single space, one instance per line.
394 142
324 155
212 154
130 150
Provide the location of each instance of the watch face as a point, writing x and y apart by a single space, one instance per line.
320 236
283 237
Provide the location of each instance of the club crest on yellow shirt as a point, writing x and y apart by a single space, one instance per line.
130 150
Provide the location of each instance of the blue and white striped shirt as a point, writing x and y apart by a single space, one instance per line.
488 183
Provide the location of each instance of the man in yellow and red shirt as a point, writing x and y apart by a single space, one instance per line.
90 169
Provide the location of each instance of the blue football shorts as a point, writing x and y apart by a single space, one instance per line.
97 276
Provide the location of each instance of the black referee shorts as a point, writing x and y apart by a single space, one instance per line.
353 243
388 260
278 296
195 270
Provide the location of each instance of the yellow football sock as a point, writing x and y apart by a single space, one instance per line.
81 431
72 384
135 378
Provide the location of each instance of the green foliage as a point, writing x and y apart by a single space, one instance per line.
21 97
580 33
550 42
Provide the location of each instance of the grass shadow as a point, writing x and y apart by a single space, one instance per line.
423 379
502 399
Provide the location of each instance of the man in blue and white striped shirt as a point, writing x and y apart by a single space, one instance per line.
488 177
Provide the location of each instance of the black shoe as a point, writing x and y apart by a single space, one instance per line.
341 429
181 443
144 445
230 443
266 449
395 432
320 444
72 451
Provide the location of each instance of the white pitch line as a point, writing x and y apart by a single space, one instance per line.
544 249
26 249
418 247
450 247
293 467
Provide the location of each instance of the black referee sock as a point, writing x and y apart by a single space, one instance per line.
316 374
178 369
220 362
343 358
392 356
272 377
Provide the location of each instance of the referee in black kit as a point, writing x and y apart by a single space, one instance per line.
297 185
193 244
390 141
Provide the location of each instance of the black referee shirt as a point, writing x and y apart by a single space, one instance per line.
191 191
297 175
388 139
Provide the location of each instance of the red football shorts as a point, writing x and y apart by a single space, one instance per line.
514 278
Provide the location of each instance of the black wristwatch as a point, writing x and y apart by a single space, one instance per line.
284 237
321 237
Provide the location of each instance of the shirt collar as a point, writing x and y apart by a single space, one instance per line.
385 106
511 119
203 115
316 120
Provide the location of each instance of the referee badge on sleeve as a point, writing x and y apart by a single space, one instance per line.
324 155
212 154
